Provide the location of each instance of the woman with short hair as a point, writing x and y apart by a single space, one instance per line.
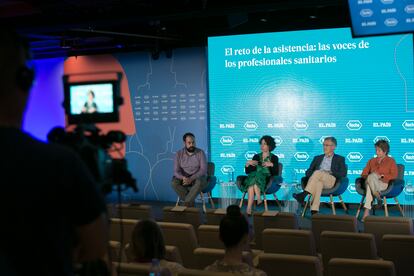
377 174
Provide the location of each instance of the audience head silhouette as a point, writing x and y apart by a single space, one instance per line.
234 228
147 241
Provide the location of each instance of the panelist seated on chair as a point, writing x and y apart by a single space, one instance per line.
324 171
377 174
259 170
190 170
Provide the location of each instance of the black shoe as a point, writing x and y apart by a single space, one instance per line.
300 197
313 212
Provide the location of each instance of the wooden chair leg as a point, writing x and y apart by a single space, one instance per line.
265 201
332 205
399 206
277 201
385 206
306 205
360 206
204 202
178 200
211 200
343 203
241 200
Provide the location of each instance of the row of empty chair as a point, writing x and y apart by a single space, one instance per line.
292 241
286 265
375 225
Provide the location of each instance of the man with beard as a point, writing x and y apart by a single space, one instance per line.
190 171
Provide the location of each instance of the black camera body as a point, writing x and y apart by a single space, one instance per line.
86 103
92 148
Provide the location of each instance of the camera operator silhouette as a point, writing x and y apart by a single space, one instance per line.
53 215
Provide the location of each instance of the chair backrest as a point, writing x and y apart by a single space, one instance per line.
133 211
288 241
117 253
209 236
380 226
347 245
213 218
211 167
341 223
290 265
281 220
183 236
207 256
172 254
197 272
127 226
400 168
190 215
280 167
132 269
346 267
400 250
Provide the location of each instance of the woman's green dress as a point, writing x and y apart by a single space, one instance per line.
258 177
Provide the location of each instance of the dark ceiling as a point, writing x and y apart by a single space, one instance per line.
76 27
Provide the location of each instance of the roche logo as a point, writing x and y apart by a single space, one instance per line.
278 140
250 126
301 156
322 139
301 125
409 157
226 169
226 140
409 9
391 22
409 189
366 12
249 154
354 125
354 157
352 189
408 125
376 139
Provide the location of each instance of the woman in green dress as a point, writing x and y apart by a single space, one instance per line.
259 170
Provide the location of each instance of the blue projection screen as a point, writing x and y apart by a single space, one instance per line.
302 86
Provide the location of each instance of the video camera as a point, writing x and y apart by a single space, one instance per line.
87 103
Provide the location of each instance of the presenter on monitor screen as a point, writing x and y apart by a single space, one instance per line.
90 105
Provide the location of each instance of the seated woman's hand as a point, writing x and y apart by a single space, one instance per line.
251 163
267 164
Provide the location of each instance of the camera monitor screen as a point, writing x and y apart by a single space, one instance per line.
378 17
92 102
